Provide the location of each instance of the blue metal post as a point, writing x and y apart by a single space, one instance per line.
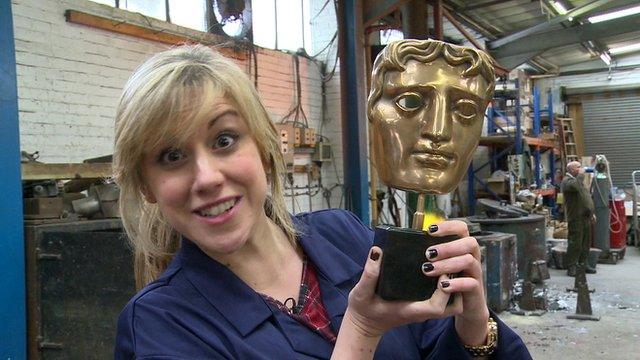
490 114
13 339
352 90
536 133
518 139
536 112
552 155
471 191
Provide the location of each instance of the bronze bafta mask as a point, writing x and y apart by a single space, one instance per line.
426 109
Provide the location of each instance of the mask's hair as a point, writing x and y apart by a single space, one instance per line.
395 56
163 103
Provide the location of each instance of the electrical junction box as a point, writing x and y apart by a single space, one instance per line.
309 137
305 137
286 134
323 151
297 137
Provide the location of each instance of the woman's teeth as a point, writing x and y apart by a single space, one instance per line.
218 209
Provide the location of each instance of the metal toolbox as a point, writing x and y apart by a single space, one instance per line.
79 277
501 267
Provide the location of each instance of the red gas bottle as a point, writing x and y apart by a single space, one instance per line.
618 237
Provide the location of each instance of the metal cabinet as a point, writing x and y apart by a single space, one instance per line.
79 277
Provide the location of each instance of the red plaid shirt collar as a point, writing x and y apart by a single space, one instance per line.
309 310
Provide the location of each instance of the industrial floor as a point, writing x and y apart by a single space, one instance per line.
616 301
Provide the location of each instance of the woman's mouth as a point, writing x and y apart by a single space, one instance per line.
218 209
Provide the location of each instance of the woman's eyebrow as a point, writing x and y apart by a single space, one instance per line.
220 115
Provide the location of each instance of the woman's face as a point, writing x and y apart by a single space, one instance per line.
211 189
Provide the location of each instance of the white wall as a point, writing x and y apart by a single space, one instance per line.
70 78
323 27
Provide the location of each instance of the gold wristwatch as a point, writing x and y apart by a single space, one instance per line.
492 341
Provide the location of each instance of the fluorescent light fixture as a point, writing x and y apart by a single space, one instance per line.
614 15
624 49
606 58
559 7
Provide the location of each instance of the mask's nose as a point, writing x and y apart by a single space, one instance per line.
437 121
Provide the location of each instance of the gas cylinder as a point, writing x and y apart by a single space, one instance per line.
618 235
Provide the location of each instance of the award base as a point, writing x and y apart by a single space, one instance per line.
401 276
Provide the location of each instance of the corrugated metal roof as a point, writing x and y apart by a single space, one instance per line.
492 20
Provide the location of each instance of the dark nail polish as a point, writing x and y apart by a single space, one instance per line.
433 228
374 256
432 253
426 267
445 284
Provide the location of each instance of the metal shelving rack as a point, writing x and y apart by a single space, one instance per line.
514 143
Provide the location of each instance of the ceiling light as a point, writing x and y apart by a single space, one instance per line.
614 14
559 7
624 49
606 58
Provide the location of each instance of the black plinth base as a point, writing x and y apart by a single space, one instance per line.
583 317
401 276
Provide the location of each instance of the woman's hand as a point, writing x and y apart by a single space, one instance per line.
461 257
368 316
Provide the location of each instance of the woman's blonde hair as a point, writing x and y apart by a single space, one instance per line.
163 102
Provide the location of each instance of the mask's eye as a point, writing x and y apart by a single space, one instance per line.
465 110
410 101
171 156
224 141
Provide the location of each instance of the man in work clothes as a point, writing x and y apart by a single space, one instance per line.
580 216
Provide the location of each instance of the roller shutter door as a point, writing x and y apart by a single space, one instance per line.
612 128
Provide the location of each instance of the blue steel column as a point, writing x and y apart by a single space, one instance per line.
471 191
354 122
13 329
536 133
552 154
518 140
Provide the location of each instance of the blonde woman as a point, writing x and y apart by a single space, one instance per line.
227 273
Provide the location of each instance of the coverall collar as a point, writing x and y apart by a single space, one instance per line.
245 308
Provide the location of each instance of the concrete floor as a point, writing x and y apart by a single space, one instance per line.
616 300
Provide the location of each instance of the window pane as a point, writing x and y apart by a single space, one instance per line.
307 25
264 25
188 13
290 26
106 2
153 8
231 26
387 36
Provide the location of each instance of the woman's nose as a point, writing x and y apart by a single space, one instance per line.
208 174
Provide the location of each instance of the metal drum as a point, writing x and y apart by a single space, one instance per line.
500 272
529 231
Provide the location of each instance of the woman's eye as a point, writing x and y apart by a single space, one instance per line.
170 156
225 140
410 101
466 110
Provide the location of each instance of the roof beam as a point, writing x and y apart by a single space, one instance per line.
573 35
485 4
374 10
546 25
511 62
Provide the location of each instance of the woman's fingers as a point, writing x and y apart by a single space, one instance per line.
461 284
466 264
466 245
450 227
365 288
434 307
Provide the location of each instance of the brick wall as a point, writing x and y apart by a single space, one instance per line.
70 78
